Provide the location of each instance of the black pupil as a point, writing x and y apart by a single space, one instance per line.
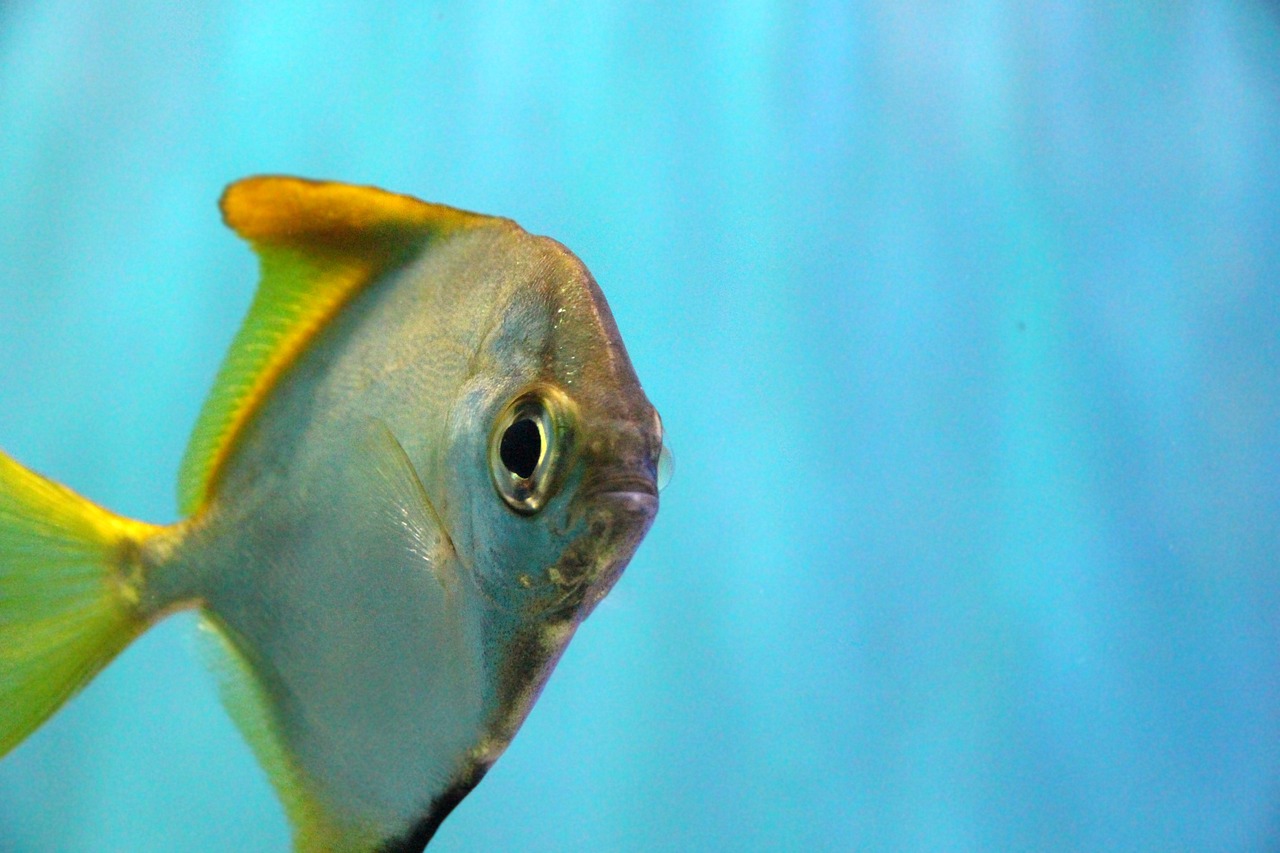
521 447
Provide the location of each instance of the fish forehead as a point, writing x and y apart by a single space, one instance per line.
553 326
549 290
618 431
528 298
584 349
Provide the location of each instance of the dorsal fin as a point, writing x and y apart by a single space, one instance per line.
319 244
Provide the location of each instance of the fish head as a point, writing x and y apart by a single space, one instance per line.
555 441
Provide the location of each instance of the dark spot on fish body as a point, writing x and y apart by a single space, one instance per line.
129 570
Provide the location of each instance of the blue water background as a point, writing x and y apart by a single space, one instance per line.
964 322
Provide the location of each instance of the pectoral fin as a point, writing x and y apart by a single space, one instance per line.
354 674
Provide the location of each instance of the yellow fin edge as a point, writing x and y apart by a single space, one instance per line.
284 317
319 244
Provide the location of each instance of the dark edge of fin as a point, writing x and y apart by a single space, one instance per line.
416 840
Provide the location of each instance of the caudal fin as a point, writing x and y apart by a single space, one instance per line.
68 595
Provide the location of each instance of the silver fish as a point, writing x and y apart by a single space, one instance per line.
425 460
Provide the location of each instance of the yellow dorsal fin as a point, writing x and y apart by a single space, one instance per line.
319 244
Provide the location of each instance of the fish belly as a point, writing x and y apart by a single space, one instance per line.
339 594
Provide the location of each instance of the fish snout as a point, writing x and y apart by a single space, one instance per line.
624 456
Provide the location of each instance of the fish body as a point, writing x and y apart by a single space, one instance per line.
425 461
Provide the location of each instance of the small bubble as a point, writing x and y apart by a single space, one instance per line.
666 466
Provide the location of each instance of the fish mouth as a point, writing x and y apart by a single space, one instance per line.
629 485
631 503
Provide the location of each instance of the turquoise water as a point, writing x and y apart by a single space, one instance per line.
964 321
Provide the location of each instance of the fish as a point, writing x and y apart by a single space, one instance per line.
425 460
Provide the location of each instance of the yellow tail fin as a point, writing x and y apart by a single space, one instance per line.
69 580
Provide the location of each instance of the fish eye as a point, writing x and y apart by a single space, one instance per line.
523 451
